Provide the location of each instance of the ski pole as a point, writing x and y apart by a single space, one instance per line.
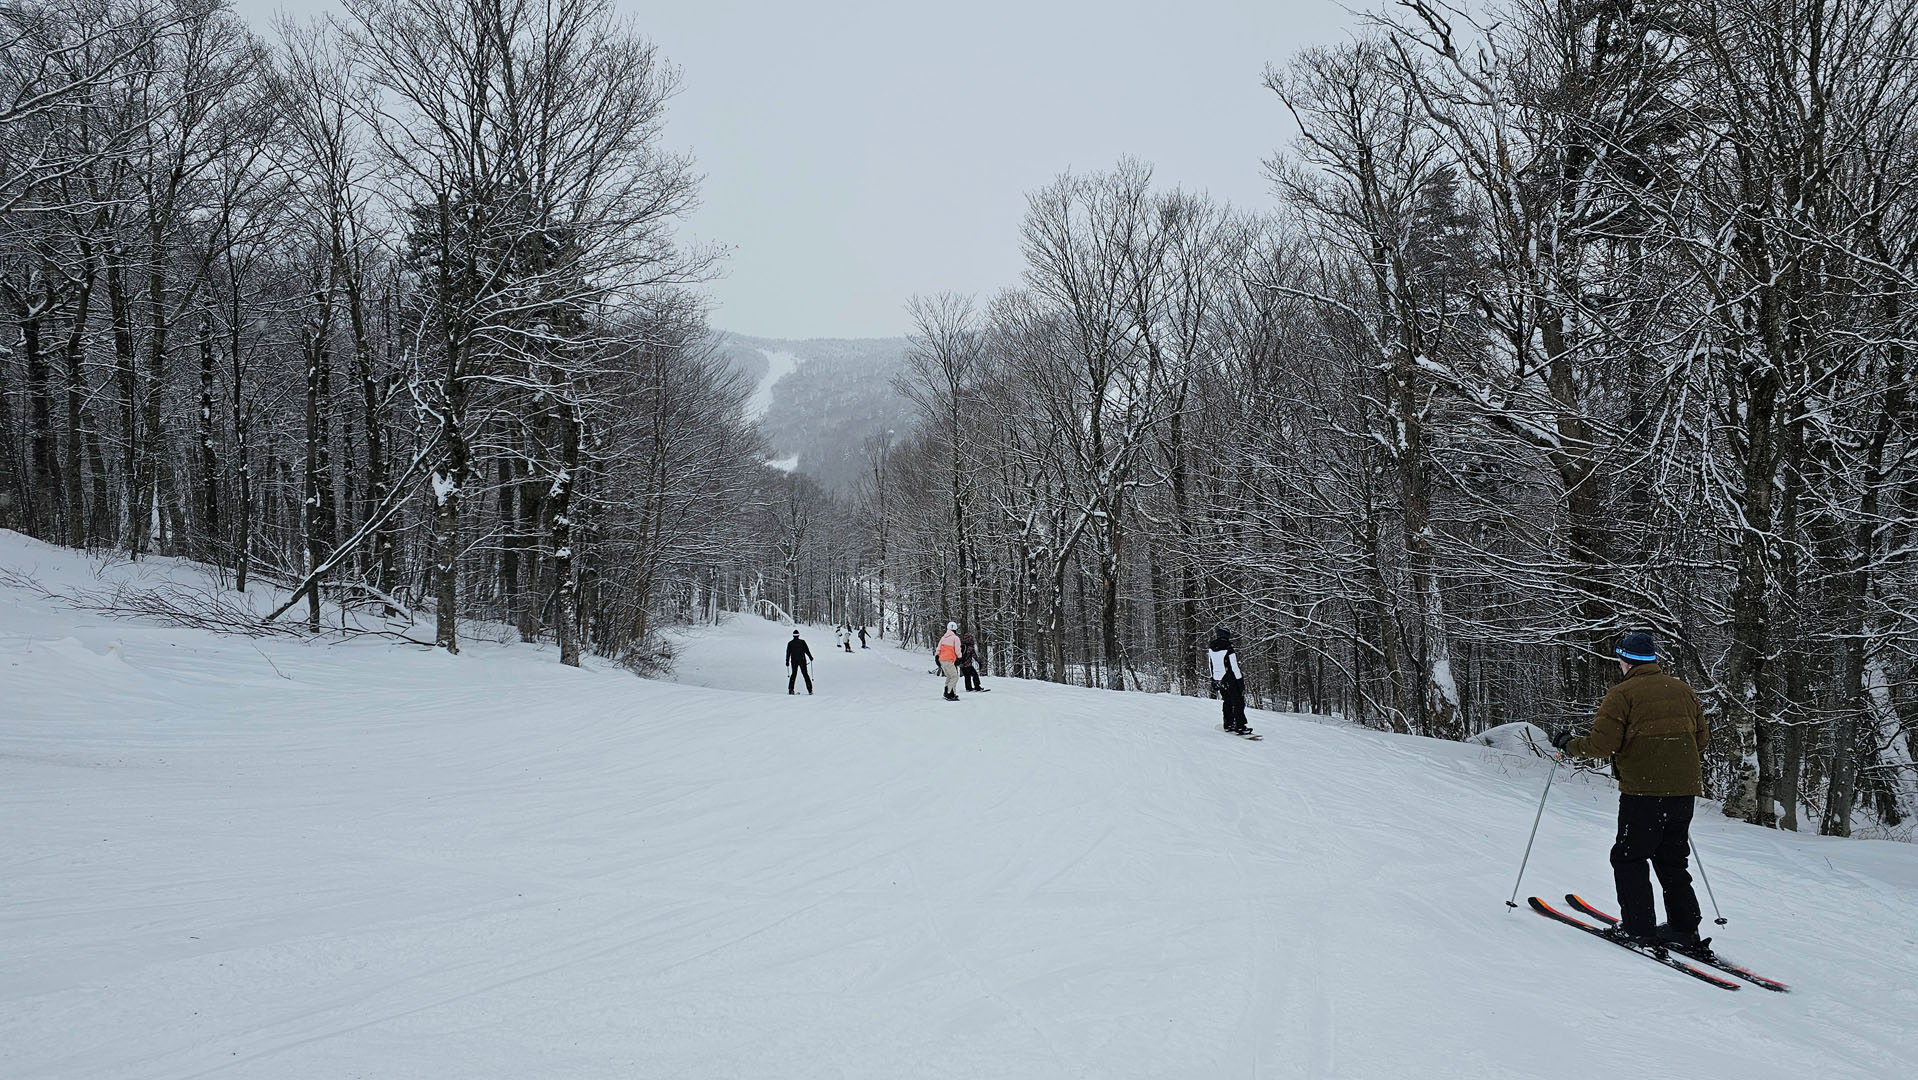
1720 919
1513 902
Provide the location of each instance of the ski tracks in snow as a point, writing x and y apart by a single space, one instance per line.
934 924
412 994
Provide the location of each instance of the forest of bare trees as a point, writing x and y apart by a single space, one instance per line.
1564 319
1567 319
386 310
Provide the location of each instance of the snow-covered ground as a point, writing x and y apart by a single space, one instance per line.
779 364
230 857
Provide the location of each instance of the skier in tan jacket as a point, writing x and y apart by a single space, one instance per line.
1652 728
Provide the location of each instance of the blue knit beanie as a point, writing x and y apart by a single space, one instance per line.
1638 648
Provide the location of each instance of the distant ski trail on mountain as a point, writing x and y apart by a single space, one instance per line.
779 364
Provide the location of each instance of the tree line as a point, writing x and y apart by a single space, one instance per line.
387 309
1566 320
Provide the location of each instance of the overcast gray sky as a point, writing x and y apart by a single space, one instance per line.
856 152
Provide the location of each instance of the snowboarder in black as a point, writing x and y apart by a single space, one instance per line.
969 663
798 653
1229 678
862 637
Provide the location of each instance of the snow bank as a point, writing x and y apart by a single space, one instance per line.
1522 737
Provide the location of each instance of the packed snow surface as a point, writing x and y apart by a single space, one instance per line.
230 857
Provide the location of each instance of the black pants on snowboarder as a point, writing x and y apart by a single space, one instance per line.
1654 829
799 671
971 675
1232 691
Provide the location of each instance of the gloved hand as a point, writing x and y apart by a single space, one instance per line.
1562 739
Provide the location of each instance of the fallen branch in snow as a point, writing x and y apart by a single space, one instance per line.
270 663
401 608
395 498
199 611
212 609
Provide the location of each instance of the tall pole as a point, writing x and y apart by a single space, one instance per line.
1513 901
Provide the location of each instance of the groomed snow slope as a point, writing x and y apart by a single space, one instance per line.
269 859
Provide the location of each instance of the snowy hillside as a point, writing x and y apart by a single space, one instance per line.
229 857
817 401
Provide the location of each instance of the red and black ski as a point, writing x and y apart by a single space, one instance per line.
1704 956
1650 952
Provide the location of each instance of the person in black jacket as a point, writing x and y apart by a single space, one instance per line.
798 653
969 663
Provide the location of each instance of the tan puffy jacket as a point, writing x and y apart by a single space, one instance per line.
1654 730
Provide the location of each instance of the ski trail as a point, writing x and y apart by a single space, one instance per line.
779 364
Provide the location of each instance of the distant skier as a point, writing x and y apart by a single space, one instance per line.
969 664
948 656
1229 678
862 637
845 636
1654 730
798 655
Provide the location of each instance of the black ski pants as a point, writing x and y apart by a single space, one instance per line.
971 674
1233 692
1654 829
799 670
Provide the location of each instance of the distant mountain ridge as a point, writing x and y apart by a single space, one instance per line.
820 399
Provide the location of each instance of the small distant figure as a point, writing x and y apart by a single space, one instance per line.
969 664
845 636
862 637
948 656
798 655
1229 679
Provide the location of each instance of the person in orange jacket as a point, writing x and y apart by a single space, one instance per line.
948 657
